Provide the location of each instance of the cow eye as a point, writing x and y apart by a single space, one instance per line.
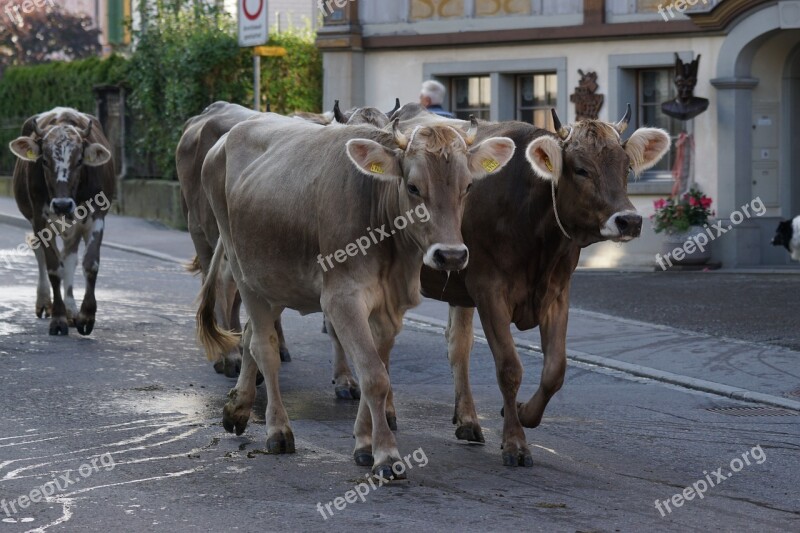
582 172
413 190
469 188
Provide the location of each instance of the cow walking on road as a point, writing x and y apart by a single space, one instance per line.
64 184
282 214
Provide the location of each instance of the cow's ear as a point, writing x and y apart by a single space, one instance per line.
490 156
544 154
373 159
96 155
25 148
646 147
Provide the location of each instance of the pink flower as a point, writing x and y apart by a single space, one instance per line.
706 202
659 204
693 201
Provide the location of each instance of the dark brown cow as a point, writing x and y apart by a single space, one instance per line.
525 228
64 185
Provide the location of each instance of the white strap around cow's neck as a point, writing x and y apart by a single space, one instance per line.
555 211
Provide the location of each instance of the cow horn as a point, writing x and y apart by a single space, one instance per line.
85 133
622 125
338 115
399 136
37 129
562 131
396 107
472 133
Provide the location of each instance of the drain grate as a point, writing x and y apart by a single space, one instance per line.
794 394
752 411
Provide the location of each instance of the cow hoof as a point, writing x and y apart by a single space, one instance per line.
219 366
58 326
281 442
84 327
44 311
286 357
470 432
518 458
392 421
348 392
231 369
233 421
386 471
364 457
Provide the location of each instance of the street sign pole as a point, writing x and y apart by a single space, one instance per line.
253 31
257 82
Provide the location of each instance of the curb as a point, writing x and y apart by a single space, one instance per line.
701 385
20 222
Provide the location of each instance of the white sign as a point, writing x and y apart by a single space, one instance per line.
253 22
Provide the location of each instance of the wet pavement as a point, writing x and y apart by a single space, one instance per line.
138 399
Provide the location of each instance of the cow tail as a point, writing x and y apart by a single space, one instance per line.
213 338
193 266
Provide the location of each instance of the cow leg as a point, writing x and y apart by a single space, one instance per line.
375 442
553 330
346 387
232 361
72 242
265 350
237 409
460 337
84 323
384 333
496 321
58 320
286 357
44 305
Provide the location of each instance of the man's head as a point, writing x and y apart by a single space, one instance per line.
432 93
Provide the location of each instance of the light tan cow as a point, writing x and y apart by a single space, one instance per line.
297 195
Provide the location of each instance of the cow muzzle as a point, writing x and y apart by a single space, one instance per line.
623 226
447 257
62 206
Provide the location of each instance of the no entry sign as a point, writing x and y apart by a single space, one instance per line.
252 22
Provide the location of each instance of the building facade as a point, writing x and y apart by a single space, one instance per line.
515 59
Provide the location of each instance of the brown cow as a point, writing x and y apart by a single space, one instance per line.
558 195
283 215
64 184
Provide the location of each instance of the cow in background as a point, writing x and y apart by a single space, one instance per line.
64 182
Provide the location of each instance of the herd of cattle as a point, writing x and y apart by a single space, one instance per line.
265 195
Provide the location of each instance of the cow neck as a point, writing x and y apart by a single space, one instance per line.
555 211
385 209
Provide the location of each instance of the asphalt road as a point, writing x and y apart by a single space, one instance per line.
138 399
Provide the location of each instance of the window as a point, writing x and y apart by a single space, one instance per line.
471 96
537 94
655 86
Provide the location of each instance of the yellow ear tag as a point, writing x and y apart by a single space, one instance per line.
490 165
376 168
31 154
548 164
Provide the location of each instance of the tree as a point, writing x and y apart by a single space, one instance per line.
45 34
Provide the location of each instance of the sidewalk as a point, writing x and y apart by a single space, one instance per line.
751 371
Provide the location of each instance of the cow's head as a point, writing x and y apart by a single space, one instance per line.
364 115
434 168
63 150
589 164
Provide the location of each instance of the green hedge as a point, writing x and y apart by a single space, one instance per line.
28 90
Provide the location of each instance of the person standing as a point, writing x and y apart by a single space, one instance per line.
432 97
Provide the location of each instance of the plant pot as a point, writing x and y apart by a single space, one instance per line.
677 241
